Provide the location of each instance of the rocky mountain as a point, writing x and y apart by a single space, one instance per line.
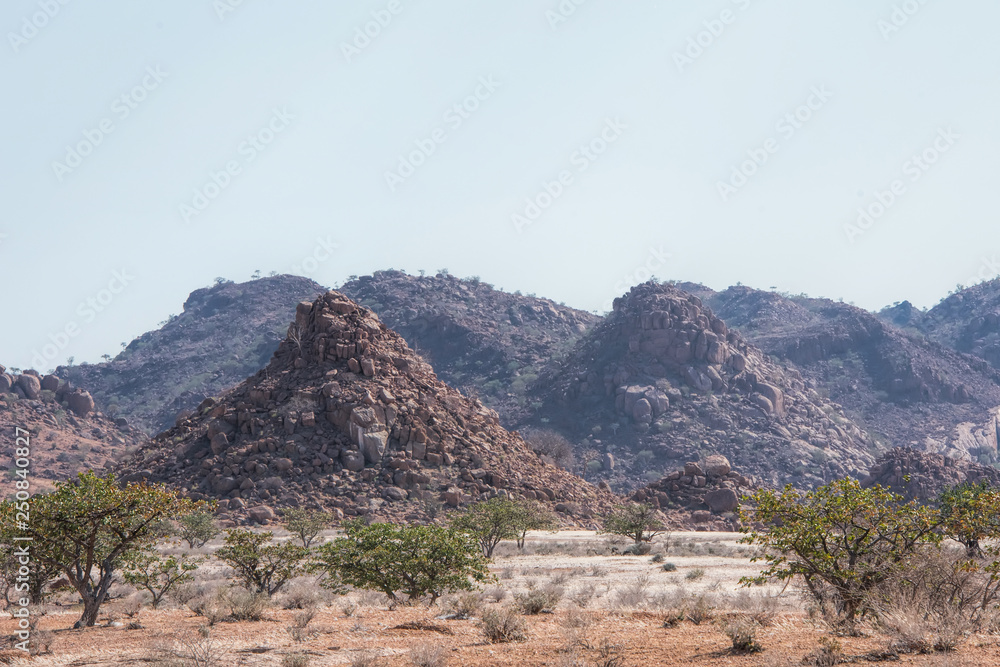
967 321
346 416
900 385
224 333
485 342
66 434
663 380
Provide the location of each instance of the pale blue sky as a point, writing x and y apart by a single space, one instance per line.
321 180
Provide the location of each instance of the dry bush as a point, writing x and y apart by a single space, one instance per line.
610 654
303 593
695 574
495 593
700 610
368 598
365 658
295 660
348 607
539 600
829 653
584 594
245 605
503 625
209 607
428 656
762 609
299 629
202 650
464 605
742 632
634 595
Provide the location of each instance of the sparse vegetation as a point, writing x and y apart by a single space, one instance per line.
259 565
639 522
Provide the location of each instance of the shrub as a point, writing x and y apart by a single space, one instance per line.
149 571
829 653
428 656
497 519
365 658
87 526
244 605
306 524
539 600
658 558
669 567
639 522
465 606
295 660
842 539
503 625
197 528
969 515
700 611
410 560
260 566
742 632
695 574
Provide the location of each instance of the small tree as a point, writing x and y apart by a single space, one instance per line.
491 521
262 567
306 524
532 515
402 560
87 526
842 539
197 528
639 522
970 513
148 570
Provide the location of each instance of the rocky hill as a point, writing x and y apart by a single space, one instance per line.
346 416
663 381
902 387
225 333
485 342
920 475
967 321
67 434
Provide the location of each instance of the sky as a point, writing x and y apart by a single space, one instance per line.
567 148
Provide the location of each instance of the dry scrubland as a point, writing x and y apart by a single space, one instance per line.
609 611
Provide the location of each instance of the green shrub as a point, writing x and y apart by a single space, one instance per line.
262 567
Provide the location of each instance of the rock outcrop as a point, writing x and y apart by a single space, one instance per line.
663 379
347 417
918 475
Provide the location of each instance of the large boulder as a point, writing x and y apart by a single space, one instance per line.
81 402
30 385
50 383
262 514
373 445
6 383
722 500
717 465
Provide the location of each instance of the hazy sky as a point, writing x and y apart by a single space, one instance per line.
149 147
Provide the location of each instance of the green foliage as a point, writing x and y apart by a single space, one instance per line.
197 528
844 540
640 522
261 567
306 524
969 514
87 526
148 570
497 519
402 560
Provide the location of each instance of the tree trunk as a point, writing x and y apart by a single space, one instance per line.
90 609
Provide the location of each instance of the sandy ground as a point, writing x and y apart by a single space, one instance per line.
571 636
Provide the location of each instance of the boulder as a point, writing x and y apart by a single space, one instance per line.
224 485
81 402
261 514
282 464
352 460
609 461
642 412
30 385
722 500
219 443
6 383
373 445
394 493
717 465
50 383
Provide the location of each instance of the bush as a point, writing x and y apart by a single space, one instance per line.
306 524
669 567
842 539
197 528
503 625
295 660
695 574
149 571
428 656
465 606
410 560
542 600
244 605
260 566
639 522
497 519
742 632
